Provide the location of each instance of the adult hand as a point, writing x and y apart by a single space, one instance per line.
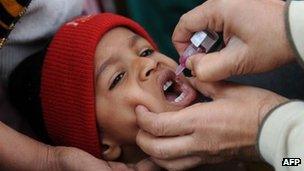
211 132
75 159
19 152
254 34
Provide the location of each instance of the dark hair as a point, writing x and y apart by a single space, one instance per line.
24 92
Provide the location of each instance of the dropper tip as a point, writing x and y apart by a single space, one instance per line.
179 70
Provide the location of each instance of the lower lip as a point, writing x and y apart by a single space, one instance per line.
190 95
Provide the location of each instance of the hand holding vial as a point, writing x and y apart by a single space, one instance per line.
253 43
201 42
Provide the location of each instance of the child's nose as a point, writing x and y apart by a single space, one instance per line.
146 67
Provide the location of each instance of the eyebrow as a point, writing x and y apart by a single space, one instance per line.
108 62
132 41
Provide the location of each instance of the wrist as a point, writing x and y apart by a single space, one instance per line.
62 157
290 51
48 158
267 104
70 158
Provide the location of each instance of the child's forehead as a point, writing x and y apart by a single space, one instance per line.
119 37
116 42
119 33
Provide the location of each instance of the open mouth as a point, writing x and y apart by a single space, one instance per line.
176 90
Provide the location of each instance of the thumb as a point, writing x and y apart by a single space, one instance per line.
209 67
218 65
214 90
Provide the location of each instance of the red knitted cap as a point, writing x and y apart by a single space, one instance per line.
67 84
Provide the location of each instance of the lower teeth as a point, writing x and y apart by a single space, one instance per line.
180 97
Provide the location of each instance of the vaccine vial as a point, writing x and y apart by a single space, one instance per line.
201 42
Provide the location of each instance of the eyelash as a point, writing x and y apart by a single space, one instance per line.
146 52
116 80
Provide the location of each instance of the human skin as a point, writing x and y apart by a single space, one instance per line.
254 34
134 76
19 152
226 128
207 133
33 155
135 70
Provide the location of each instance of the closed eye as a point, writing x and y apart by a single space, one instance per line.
146 52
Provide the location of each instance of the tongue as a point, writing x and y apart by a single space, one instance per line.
171 96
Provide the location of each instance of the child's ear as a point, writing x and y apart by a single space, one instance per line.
111 150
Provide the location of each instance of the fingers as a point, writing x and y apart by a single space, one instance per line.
214 90
210 67
200 18
147 165
179 164
189 162
220 89
210 89
220 65
165 147
117 166
164 124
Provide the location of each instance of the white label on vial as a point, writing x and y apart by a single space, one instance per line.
198 38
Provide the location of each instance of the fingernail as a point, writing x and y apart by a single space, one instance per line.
141 108
189 63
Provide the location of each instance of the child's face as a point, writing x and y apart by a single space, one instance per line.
129 72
